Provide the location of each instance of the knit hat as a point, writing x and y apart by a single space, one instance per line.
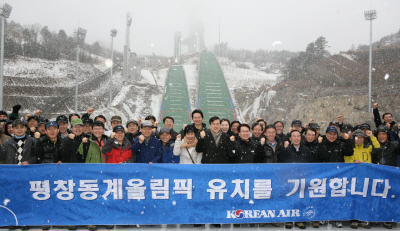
2 112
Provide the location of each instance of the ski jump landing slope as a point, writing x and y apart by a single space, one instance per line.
214 98
176 98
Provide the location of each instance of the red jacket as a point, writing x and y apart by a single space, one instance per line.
117 154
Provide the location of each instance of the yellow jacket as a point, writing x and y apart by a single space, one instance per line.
363 154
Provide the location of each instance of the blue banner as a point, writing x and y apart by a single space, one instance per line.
112 194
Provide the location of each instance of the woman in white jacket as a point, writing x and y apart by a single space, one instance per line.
186 147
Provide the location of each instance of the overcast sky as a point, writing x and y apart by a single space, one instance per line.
250 24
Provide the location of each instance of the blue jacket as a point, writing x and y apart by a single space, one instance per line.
152 152
168 156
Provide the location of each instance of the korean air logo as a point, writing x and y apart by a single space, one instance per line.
239 214
309 212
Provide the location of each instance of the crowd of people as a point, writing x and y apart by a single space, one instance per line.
33 139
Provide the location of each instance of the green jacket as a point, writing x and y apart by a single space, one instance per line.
90 152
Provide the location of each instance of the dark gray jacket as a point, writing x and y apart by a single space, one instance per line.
9 153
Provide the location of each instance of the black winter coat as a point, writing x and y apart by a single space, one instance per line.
290 155
196 131
313 149
69 150
334 152
50 151
387 154
246 152
211 153
269 155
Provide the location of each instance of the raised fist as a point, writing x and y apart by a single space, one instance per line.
320 139
85 140
178 137
286 144
33 129
141 139
202 134
376 105
339 118
126 130
139 121
90 111
388 125
184 126
311 121
38 112
262 141
37 135
156 123
71 136
369 133
232 138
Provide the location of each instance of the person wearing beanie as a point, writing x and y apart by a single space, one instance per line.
14 114
21 149
118 148
3 114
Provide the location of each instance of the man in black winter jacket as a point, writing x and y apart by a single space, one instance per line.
332 150
245 150
296 152
71 143
198 125
272 146
389 150
311 143
387 120
213 144
50 145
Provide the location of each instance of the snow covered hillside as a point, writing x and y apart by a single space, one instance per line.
47 85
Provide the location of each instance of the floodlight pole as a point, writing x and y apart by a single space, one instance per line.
80 38
5 13
370 15
113 33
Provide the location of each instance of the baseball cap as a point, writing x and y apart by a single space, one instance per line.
296 122
116 118
331 129
51 123
76 121
146 123
165 129
62 118
118 128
